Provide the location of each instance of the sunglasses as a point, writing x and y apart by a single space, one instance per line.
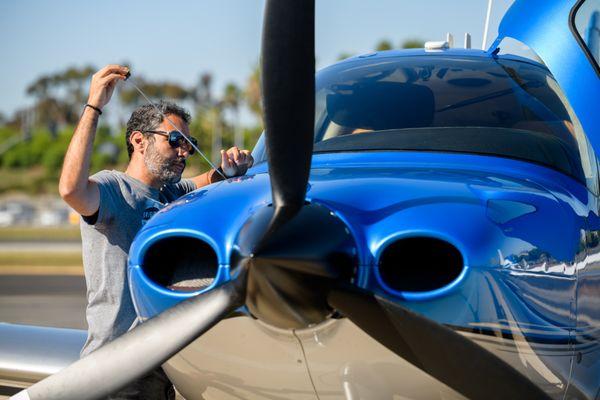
176 139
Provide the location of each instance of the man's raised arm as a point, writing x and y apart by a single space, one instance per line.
74 186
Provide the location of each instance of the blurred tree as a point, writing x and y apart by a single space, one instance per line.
344 55
206 87
54 155
218 131
383 45
202 128
232 96
40 88
53 159
131 98
413 43
201 94
251 135
208 120
16 120
60 96
53 113
174 91
40 143
253 93
34 140
73 80
232 100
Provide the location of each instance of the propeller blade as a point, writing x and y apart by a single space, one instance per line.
434 348
142 349
288 89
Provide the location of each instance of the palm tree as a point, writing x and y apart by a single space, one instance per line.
252 93
201 94
60 96
414 43
383 45
232 100
216 117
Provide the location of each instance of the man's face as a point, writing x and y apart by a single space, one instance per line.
166 163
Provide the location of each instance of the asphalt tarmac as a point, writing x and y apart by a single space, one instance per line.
45 300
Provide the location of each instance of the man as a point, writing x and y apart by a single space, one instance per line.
114 206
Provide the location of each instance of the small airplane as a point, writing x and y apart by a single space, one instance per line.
430 231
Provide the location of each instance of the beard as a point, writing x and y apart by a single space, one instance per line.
166 170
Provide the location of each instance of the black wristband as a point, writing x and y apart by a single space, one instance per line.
93 108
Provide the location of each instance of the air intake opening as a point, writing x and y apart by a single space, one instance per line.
182 264
420 264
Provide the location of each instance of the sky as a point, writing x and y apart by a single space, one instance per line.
179 40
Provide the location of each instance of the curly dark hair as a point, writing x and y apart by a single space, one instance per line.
146 118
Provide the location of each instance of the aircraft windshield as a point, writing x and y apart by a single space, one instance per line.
481 105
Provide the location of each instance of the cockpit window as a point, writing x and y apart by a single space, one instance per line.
486 106
492 106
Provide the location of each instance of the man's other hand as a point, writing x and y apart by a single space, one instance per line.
235 162
103 84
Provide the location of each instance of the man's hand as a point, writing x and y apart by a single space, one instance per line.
235 162
103 84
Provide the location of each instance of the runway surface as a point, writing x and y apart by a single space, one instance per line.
45 300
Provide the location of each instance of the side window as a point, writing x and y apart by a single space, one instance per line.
585 22
259 151
586 150
592 182
598 169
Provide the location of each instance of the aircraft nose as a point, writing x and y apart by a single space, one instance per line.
295 264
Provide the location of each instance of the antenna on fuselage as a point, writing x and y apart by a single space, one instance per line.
450 39
487 24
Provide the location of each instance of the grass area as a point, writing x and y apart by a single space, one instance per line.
41 263
33 180
50 259
73 270
14 234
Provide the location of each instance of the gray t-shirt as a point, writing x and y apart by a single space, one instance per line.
125 206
